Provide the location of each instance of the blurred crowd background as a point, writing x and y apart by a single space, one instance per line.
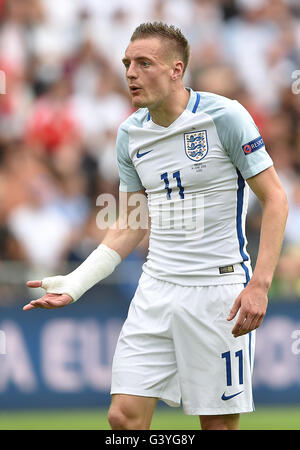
65 96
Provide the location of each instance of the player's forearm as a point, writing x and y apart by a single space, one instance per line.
123 240
117 244
97 266
274 217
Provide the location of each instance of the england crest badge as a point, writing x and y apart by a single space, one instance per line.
196 145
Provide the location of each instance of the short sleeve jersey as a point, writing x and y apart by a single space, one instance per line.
194 173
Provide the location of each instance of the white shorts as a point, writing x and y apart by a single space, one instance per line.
176 345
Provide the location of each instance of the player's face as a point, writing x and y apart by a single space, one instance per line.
148 72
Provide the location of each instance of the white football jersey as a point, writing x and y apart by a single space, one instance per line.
194 174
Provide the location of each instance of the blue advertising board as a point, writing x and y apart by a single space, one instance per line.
277 361
61 357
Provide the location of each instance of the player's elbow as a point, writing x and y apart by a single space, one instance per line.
277 201
282 202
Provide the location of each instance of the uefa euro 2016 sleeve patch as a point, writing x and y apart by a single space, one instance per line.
254 145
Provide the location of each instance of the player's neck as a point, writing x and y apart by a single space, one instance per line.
169 110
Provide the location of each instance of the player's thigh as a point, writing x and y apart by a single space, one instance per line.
131 411
144 362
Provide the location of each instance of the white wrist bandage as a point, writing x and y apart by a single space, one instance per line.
98 265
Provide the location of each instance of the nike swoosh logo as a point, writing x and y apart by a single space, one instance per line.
139 155
228 397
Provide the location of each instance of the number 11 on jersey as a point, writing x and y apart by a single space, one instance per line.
176 175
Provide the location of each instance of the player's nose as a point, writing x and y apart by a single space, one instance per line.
131 72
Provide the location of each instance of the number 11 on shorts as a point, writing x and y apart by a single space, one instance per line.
239 361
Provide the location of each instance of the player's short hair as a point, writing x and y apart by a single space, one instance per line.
165 31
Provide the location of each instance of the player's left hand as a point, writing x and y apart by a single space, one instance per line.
252 305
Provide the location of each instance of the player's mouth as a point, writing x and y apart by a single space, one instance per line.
134 89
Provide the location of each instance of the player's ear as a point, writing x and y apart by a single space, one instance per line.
177 70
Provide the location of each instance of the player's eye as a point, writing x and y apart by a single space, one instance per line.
145 64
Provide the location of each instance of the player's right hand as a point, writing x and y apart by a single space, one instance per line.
48 301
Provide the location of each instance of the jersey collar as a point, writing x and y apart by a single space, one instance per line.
193 101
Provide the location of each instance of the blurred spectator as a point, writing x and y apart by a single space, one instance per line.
40 227
52 122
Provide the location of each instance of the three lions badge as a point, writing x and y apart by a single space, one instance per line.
195 145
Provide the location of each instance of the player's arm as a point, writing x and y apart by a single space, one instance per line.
253 300
127 233
120 240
